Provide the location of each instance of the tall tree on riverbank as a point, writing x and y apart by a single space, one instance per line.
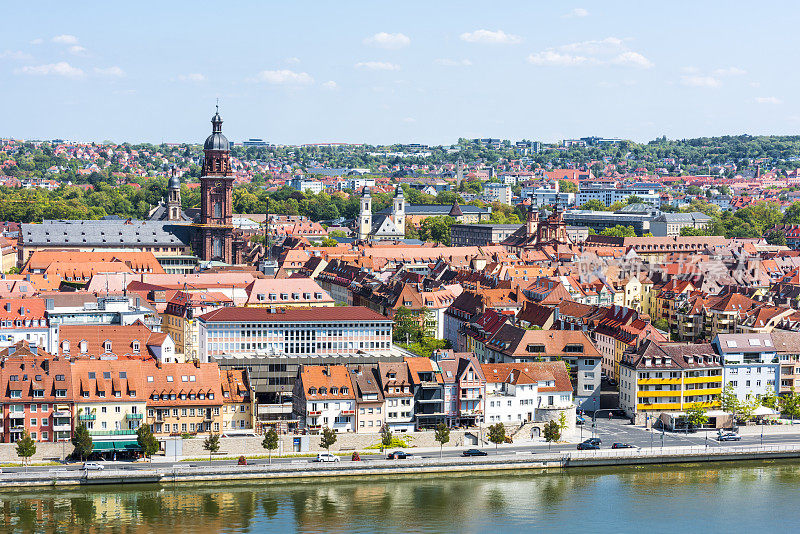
386 437
442 436
328 438
696 415
147 441
211 444
497 434
82 441
26 448
552 432
270 441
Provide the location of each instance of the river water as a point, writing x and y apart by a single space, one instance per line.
731 498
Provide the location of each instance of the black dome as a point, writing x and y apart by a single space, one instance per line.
217 141
174 182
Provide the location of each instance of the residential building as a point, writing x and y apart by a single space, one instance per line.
289 292
464 388
238 408
428 387
25 320
611 193
323 398
180 318
669 377
370 404
103 342
37 394
787 348
750 363
395 382
184 398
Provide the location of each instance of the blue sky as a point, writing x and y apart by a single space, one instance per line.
383 72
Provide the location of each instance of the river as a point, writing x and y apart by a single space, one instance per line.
744 497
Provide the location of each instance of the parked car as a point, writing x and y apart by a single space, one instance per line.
93 466
622 446
729 436
596 441
473 452
327 457
399 455
588 446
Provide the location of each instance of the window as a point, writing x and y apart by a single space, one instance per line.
107 375
92 376
123 374
107 346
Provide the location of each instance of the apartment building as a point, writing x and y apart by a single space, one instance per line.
238 408
428 387
396 386
750 363
323 398
515 391
669 377
370 404
464 388
37 394
787 348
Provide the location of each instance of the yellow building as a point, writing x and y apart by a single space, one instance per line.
180 323
238 409
669 377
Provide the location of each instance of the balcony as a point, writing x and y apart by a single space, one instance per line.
314 413
429 384
62 413
275 409
87 417
348 412
110 432
133 415
65 427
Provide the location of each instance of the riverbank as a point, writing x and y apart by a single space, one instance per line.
304 469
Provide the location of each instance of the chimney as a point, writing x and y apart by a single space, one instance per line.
327 370
197 363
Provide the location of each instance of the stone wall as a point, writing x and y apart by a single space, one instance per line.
45 451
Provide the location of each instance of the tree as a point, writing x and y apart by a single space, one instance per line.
407 326
436 229
442 436
328 242
82 441
769 400
497 434
776 237
328 438
26 448
661 324
386 437
619 231
696 415
747 407
147 441
729 400
594 205
552 432
790 404
692 231
211 444
270 441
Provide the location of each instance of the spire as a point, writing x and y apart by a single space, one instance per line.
455 211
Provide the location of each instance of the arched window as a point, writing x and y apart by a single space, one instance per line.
84 347
65 346
312 391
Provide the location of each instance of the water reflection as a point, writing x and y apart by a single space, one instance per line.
421 504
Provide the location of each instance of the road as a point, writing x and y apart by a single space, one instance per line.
609 431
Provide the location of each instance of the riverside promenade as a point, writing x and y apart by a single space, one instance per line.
308 469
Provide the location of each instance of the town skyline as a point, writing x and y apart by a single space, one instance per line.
353 75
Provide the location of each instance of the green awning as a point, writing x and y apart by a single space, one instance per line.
115 446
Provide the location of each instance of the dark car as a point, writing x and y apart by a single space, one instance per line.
473 452
622 446
399 455
588 446
595 441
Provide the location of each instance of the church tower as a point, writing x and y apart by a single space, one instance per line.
365 216
399 211
174 198
215 236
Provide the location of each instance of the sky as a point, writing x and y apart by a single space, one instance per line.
389 72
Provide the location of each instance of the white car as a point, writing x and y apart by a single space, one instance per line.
327 457
93 466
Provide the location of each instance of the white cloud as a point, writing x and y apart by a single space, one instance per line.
633 59
556 59
608 51
730 71
491 37
37 41
78 50
409 120
113 72
700 81
16 55
755 84
330 84
768 100
453 62
61 68
577 13
377 65
293 60
284 77
391 41
609 45
65 39
191 77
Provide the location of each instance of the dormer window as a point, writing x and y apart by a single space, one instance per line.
344 390
135 346
65 346
323 391
84 347
334 391
312 391
107 346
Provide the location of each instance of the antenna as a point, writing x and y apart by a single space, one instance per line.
217 104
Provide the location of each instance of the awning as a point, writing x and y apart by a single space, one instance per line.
116 446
